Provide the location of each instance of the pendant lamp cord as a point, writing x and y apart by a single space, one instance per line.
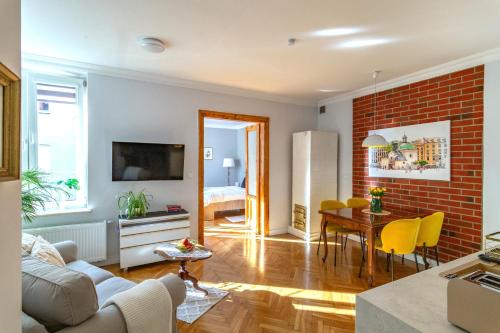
375 75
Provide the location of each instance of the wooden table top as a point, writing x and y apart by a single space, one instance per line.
171 252
357 215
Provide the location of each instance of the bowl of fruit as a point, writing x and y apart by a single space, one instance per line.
186 245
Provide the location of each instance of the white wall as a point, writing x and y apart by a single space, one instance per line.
224 143
338 118
10 236
128 110
491 160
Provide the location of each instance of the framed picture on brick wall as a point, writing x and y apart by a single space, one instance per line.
416 152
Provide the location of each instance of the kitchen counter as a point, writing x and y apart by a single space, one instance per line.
417 303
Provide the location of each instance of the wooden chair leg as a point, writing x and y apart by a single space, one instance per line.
362 244
437 255
416 261
362 262
335 252
345 244
388 256
319 242
392 265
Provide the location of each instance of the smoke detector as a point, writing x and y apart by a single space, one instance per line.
151 44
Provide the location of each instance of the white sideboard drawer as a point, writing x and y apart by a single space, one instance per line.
139 255
138 229
153 237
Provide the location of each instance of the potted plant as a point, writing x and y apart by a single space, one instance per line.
37 191
133 204
377 193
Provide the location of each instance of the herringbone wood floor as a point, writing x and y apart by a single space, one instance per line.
276 284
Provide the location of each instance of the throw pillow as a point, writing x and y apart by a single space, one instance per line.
27 242
45 251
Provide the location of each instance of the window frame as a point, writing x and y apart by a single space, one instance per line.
30 131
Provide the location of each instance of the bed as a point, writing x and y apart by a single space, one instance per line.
217 199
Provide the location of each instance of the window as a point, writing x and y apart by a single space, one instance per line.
55 133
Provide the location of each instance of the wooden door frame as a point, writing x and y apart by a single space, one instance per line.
255 128
263 123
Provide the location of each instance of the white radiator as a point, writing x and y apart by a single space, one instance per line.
90 238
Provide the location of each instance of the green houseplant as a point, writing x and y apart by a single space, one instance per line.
133 204
36 192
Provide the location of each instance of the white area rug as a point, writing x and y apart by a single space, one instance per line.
196 303
236 219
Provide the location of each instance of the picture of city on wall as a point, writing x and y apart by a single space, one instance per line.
417 152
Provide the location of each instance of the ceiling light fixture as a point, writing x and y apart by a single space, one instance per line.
374 140
327 90
362 43
151 44
335 32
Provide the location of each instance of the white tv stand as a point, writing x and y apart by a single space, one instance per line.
140 236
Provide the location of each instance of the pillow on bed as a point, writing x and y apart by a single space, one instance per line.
243 183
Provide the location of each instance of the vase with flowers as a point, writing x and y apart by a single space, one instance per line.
377 193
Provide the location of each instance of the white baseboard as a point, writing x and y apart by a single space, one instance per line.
278 231
308 237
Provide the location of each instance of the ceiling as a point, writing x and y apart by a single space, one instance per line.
243 44
226 124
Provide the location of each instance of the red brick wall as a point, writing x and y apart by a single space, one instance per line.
457 97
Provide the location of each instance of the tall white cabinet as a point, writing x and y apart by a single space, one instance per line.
314 179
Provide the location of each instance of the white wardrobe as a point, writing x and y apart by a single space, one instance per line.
314 178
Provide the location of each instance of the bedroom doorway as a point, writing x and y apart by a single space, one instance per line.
233 174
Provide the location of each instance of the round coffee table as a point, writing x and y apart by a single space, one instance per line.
171 253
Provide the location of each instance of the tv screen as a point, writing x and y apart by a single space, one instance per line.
147 161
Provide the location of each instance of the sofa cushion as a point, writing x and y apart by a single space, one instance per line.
56 296
112 286
30 325
27 242
96 274
45 251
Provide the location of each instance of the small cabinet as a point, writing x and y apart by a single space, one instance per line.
314 179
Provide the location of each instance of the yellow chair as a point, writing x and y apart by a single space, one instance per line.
357 203
334 228
398 237
428 236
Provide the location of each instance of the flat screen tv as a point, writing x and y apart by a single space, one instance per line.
147 161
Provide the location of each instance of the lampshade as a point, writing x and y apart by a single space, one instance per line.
228 163
373 141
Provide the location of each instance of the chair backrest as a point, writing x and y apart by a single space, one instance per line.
400 236
357 202
430 229
332 204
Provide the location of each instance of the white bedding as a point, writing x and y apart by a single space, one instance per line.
222 194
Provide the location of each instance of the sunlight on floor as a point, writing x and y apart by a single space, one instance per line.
216 231
250 235
324 309
233 225
309 294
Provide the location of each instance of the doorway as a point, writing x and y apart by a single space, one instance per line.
253 179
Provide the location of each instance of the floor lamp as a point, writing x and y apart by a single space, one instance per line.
228 163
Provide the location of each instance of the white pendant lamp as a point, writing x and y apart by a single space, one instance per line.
374 140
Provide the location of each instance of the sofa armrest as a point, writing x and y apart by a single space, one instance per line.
109 319
175 287
67 249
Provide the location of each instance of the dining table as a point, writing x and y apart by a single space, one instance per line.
366 222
